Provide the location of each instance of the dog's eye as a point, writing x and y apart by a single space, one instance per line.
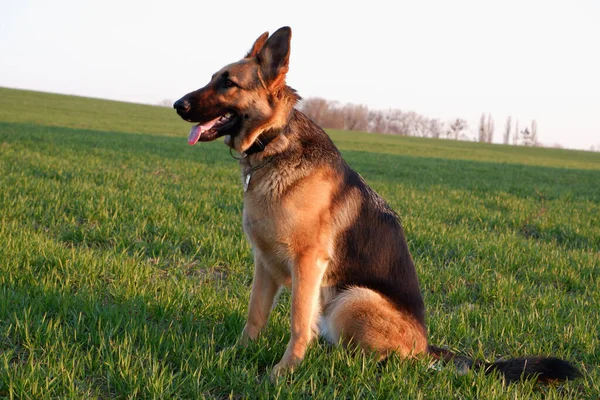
228 83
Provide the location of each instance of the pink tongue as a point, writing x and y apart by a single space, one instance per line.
194 134
197 130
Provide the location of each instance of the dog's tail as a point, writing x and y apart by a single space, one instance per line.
543 369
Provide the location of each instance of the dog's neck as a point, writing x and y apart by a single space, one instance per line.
262 152
270 142
262 141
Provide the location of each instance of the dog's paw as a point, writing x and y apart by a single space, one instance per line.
244 340
249 334
279 371
283 368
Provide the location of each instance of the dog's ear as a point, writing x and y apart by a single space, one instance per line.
274 57
258 44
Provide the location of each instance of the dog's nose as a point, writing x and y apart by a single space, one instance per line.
182 105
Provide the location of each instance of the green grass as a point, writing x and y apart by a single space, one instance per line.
124 271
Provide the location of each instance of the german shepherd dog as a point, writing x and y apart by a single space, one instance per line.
316 227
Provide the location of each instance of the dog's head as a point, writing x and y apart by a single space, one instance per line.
245 98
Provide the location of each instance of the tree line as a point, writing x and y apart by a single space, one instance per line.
526 137
358 117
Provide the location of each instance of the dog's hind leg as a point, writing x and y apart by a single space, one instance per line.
365 318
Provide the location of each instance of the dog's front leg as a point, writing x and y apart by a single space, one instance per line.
262 296
306 282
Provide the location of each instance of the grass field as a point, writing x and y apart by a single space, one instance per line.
124 271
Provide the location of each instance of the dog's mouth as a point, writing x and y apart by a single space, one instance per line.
207 131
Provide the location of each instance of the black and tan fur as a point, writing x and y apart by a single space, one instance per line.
316 227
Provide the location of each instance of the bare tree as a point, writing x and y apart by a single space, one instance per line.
334 117
482 137
417 124
356 117
526 137
507 127
435 128
324 113
399 123
456 128
490 129
534 138
378 121
315 108
516 133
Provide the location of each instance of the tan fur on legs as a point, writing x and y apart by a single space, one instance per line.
262 297
306 280
364 317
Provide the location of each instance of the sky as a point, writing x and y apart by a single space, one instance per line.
529 59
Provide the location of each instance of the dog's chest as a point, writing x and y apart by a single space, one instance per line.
261 226
268 223
268 232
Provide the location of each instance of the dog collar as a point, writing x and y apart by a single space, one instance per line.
262 141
